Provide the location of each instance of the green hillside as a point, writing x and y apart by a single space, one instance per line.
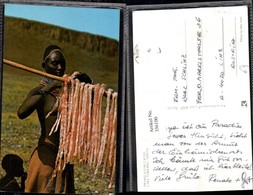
25 41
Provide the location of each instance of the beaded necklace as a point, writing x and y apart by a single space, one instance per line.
44 81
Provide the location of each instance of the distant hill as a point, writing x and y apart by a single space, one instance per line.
25 41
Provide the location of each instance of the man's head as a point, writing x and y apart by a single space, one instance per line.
54 60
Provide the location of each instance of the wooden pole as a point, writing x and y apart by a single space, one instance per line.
39 72
23 67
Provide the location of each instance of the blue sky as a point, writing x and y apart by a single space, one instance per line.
100 21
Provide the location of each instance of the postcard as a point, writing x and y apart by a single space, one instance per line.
192 99
60 138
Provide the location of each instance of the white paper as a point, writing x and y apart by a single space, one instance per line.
192 99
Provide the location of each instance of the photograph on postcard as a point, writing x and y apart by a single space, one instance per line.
59 98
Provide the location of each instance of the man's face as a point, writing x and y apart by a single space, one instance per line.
55 64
